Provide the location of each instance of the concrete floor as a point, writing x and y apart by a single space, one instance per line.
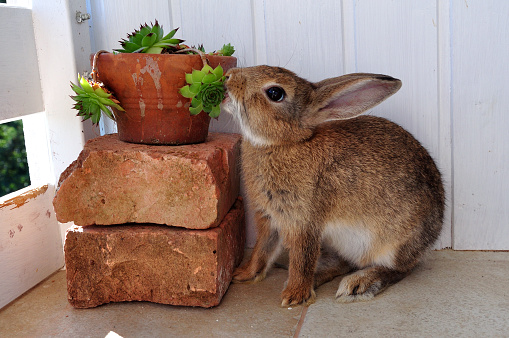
457 294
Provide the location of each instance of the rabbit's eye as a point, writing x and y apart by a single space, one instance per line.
275 94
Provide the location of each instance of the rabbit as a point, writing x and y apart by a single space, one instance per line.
345 194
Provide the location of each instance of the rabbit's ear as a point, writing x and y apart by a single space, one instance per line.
348 96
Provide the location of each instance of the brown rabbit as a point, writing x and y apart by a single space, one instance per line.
344 193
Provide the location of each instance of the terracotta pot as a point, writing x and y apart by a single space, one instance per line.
147 87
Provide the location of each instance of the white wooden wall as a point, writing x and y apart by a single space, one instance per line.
480 115
48 52
452 57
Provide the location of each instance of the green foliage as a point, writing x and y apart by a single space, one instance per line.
200 48
227 50
205 88
92 99
148 39
14 173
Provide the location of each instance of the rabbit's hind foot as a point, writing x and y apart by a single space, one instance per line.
364 284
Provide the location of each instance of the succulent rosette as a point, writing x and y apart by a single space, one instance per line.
92 99
227 50
205 89
149 39
211 95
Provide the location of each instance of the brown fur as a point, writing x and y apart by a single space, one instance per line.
342 192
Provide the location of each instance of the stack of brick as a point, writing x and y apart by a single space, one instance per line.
161 224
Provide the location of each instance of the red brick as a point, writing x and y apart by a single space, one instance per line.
114 182
153 263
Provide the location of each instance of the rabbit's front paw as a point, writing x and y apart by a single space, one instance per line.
358 286
245 274
297 296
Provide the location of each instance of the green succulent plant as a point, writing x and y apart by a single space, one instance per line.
92 99
205 89
148 39
227 50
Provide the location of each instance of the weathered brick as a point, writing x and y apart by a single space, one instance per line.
114 182
153 263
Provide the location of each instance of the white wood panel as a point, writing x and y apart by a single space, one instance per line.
20 88
30 242
445 122
55 50
259 32
349 43
37 148
400 38
30 236
112 20
480 73
216 22
305 37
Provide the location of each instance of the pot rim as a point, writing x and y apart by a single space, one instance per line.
108 54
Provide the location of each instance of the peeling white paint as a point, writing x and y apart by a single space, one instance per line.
142 107
138 81
153 70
